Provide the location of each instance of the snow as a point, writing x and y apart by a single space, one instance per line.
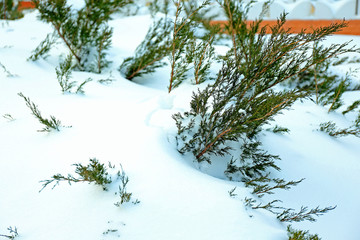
129 123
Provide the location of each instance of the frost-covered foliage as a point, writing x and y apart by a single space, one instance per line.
85 32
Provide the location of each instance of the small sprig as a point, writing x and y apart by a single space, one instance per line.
50 124
123 194
300 234
270 206
331 129
107 80
289 215
8 117
94 172
63 73
232 192
8 73
353 106
279 129
13 233
44 47
261 189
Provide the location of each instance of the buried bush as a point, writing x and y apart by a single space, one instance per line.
243 99
84 32
225 118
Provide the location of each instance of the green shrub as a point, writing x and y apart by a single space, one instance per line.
243 99
84 32
9 11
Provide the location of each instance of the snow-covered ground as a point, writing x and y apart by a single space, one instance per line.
129 123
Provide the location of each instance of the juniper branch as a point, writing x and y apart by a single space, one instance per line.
289 215
93 172
50 124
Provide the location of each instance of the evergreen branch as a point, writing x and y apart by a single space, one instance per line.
44 47
339 90
330 128
261 189
79 89
93 172
300 235
9 74
178 9
289 215
50 124
208 146
140 68
77 57
13 231
123 194
198 66
353 106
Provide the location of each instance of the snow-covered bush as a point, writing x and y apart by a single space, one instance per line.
85 32
243 99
